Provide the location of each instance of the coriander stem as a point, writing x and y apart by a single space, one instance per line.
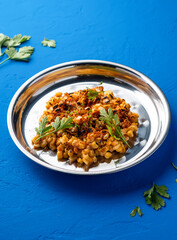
5 60
174 166
49 133
46 134
120 134
1 54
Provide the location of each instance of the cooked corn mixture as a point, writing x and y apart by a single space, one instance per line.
86 125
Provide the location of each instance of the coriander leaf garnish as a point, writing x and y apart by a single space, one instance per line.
42 127
23 54
92 94
112 121
134 211
3 38
49 43
110 131
57 125
62 124
174 166
101 82
152 196
16 40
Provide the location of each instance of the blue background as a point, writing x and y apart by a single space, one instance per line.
38 203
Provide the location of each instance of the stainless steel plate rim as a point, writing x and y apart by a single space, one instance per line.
123 166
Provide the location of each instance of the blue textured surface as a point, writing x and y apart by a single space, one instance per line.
37 203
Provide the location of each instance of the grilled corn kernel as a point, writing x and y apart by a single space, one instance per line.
59 154
108 155
43 143
94 145
130 133
59 94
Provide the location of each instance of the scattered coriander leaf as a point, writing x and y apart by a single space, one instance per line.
140 212
110 124
152 197
16 40
174 166
101 82
3 38
134 211
49 43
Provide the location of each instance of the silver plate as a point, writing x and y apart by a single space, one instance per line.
144 96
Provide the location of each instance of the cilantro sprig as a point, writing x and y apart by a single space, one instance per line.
152 196
7 42
62 124
23 54
135 211
112 121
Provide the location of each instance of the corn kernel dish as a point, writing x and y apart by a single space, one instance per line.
88 139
